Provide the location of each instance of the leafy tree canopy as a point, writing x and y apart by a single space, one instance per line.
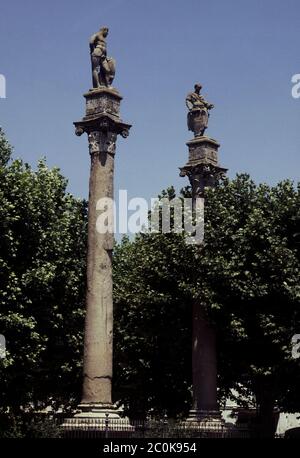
42 282
245 275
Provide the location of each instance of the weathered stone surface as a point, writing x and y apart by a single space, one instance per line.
203 170
107 102
102 124
102 114
103 67
203 150
99 313
198 114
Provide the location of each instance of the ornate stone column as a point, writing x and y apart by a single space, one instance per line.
102 124
203 170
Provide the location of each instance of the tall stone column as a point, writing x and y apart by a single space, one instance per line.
102 124
204 366
203 170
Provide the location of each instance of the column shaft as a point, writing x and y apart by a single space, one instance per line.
98 345
203 171
204 363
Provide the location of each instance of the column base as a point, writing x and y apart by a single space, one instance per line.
98 411
205 416
204 423
97 420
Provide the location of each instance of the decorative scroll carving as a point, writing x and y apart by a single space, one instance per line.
102 142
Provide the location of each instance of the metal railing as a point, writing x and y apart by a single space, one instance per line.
58 426
123 428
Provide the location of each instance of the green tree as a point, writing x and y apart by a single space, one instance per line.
246 277
152 324
42 282
5 149
251 264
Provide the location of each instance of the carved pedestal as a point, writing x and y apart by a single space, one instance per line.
102 124
202 168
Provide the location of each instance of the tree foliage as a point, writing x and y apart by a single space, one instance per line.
42 282
246 276
251 263
152 324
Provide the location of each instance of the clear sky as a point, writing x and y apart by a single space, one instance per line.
243 52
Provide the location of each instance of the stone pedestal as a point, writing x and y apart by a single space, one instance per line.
203 170
203 149
102 124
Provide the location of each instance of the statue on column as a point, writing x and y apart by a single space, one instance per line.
198 114
103 67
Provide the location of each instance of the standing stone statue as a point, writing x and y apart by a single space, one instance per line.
103 67
198 111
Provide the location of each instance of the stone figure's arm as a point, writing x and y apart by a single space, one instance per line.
189 102
92 42
208 105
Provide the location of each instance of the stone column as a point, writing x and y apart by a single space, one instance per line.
203 170
102 124
204 367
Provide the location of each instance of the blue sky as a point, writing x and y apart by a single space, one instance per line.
243 52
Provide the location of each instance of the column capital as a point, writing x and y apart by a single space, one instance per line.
102 123
102 113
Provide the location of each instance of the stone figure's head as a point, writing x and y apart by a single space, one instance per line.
198 87
104 31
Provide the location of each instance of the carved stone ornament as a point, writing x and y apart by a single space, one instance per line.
94 142
102 142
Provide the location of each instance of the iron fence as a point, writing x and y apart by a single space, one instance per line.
115 428
58 426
